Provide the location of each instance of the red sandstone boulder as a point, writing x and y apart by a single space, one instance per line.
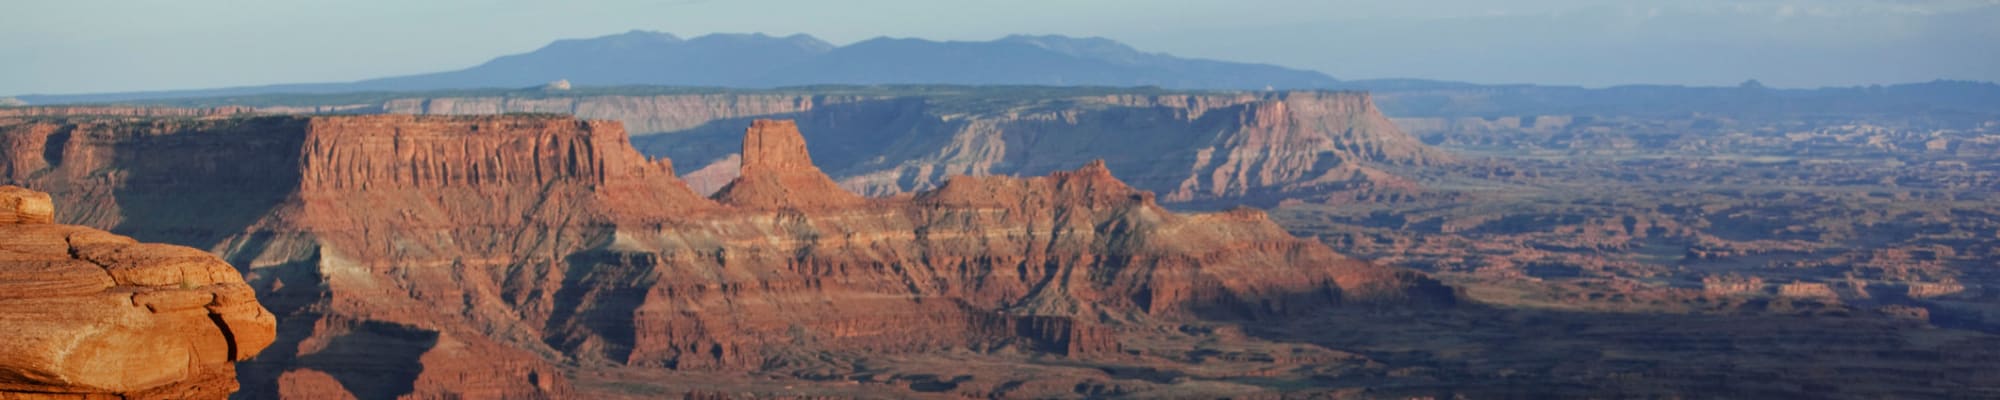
22 206
87 312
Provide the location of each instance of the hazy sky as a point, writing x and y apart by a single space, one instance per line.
77 46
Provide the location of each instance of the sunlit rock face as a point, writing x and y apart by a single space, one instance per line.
471 256
90 313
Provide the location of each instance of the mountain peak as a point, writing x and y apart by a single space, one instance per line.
759 60
637 36
1093 47
1061 41
633 40
800 40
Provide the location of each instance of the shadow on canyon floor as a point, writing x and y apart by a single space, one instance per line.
196 188
377 360
1487 351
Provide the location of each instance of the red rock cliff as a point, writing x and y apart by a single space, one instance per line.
352 153
468 256
1217 147
776 172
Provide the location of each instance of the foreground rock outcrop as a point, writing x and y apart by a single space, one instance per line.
88 313
432 256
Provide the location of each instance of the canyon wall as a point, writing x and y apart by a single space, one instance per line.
1219 148
433 256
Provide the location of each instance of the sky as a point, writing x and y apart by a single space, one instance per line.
94 46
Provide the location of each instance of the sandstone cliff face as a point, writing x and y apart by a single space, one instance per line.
468 256
323 212
89 313
1218 148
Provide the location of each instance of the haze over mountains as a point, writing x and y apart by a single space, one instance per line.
758 61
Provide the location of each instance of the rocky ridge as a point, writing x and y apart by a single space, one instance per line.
90 314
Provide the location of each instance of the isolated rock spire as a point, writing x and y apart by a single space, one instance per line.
777 172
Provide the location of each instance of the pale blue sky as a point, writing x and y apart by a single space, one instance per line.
76 46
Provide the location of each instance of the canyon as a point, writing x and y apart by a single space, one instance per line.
1843 250
543 256
969 242
643 215
1219 148
1208 150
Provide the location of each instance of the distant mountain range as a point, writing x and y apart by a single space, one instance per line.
762 61
652 62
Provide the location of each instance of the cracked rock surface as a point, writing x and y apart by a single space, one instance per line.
89 313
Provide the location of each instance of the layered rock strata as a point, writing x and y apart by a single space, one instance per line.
1198 148
90 314
470 256
776 172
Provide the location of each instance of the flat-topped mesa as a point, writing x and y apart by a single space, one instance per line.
90 314
1283 144
403 151
777 172
198 180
